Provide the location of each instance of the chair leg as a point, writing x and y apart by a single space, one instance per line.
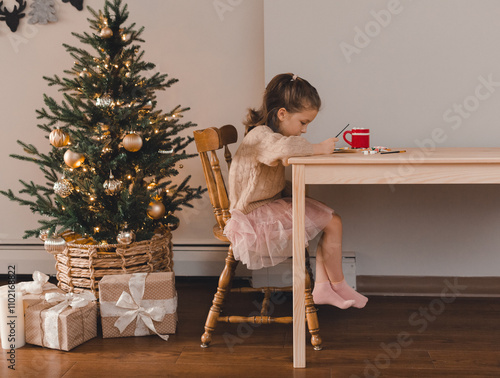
225 281
312 316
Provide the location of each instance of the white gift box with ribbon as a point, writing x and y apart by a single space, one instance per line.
34 291
138 304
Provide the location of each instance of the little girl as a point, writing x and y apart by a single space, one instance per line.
260 228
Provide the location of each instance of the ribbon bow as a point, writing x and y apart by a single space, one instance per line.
133 304
38 285
70 299
50 316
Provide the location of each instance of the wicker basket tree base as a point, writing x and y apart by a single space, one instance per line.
81 266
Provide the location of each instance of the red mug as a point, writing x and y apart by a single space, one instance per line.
360 137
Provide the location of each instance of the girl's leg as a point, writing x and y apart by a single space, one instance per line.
323 292
329 257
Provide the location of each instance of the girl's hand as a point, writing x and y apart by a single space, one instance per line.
325 147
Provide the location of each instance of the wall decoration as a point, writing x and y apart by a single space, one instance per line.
78 4
43 12
12 18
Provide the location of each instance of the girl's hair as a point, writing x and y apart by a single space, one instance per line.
284 91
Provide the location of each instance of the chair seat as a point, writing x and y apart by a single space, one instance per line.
219 233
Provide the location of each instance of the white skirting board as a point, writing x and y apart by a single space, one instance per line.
281 275
189 260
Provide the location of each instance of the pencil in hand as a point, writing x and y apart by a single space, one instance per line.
336 136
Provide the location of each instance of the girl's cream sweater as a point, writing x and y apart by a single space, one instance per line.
257 174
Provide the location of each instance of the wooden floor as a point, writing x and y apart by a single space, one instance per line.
391 337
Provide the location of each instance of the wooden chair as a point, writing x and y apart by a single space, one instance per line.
208 141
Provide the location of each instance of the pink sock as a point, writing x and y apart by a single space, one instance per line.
324 294
347 292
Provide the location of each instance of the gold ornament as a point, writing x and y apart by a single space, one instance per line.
106 32
58 138
132 142
73 159
112 186
156 210
55 244
63 187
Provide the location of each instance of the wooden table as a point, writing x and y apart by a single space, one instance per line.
415 166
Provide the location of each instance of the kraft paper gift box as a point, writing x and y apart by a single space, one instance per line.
34 291
62 321
138 304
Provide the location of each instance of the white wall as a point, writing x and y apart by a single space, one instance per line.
215 49
418 71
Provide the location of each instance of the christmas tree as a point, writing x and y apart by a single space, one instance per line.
114 153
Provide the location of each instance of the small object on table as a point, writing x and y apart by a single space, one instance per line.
344 150
393 152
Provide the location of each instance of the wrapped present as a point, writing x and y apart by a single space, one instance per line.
138 304
34 291
62 321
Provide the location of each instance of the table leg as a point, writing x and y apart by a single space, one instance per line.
299 323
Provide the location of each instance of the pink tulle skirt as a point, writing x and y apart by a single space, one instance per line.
263 238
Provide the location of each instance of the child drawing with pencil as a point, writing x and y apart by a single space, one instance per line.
260 228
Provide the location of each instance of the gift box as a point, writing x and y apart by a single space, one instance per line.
62 321
34 291
138 304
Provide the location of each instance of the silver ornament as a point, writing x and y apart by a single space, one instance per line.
104 101
112 186
125 237
63 187
55 244
106 32
43 235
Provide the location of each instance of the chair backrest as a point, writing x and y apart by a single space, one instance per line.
208 141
